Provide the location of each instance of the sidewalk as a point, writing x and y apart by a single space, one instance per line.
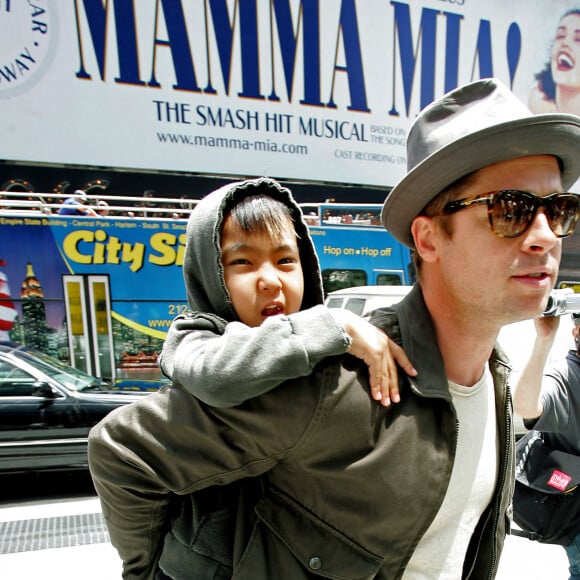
89 561
99 561
93 562
523 559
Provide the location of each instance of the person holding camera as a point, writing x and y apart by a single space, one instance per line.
548 400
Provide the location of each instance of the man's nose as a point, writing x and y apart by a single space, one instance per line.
540 235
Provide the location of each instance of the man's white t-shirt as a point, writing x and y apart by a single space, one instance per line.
441 551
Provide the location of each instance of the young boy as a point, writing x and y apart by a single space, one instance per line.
268 300
256 320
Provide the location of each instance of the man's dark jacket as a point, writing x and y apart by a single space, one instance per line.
346 488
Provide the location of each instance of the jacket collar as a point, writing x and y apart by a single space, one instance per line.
420 343
409 324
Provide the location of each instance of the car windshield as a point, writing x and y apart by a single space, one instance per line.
68 376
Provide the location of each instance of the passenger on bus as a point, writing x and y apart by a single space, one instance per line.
75 205
330 483
311 219
103 208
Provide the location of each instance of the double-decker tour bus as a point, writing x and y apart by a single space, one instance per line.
102 291
353 247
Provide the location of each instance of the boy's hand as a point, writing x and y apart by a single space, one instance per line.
379 352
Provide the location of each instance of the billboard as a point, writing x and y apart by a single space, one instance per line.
321 90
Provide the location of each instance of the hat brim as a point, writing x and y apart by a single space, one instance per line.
553 134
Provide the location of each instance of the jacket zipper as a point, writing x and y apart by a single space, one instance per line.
497 510
500 490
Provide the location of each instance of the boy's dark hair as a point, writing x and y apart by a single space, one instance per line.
262 213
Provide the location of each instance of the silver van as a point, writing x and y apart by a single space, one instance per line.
364 299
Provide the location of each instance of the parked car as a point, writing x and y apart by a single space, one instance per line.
47 409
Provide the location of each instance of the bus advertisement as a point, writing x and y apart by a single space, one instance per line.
354 249
101 292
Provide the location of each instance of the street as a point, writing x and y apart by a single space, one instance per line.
51 528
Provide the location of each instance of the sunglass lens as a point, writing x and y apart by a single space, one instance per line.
564 211
511 212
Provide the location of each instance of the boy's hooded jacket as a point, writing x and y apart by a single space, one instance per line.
214 367
202 270
333 485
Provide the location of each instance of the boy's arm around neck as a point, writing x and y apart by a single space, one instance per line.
224 364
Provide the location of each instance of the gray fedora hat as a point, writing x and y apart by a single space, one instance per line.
467 129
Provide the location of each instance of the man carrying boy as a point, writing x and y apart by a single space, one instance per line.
349 488
277 298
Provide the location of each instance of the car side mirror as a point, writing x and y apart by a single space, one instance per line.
43 389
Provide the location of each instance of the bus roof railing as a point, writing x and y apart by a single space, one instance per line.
49 203
44 203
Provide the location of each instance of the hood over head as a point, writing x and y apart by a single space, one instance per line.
202 267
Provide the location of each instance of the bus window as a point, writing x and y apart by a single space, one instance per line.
389 279
357 214
338 279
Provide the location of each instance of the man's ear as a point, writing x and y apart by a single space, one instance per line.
424 234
